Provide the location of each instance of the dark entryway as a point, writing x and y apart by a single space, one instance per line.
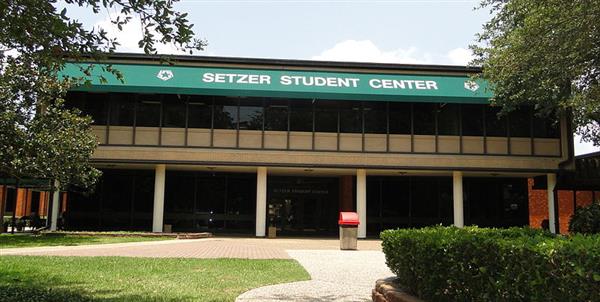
303 205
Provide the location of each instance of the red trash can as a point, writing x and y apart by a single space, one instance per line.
348 223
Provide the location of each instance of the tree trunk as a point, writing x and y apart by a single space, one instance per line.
49 205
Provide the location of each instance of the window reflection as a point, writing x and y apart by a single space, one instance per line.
276 115
225 113
350 117
301 115
148 110
495 124
400 118
520 122
448 122
326 116
472 120
122 108
424 118
251 114
375 116
199 112
545 127
173 111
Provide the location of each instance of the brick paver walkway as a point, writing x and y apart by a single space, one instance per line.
252 248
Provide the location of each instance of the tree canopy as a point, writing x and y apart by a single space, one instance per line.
39 136
545 54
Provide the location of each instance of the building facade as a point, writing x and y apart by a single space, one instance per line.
236 145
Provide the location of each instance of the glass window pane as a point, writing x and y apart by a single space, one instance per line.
374 197
144 192
301 115
199 111
90 104
75 99
326 116
173 111
225 113
179 192
395 197
251 114
448 119
148 111
424 118
118 197
445 193
494 125
399 118
276 115
350 117
122 108
179 200
95 106
375 116
241 195
545 127
520 122
424 198
213 190
472 120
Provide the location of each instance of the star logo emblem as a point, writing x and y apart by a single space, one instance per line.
470 85
164 74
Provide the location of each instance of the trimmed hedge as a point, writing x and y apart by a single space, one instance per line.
478 264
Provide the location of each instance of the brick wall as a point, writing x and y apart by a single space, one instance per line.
538 206
24 201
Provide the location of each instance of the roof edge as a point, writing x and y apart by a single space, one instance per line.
588 155
294 62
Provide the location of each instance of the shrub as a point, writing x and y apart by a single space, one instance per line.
477 264
586 220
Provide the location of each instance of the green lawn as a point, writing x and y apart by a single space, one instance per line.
28 240
41 279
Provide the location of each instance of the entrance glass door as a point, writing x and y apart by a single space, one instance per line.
303 205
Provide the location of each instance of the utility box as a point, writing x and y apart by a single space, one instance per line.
348 223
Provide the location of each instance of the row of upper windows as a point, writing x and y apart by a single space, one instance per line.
218 112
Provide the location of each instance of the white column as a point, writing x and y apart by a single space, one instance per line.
361 201
55 206
261 201
457 188
159 198
551 214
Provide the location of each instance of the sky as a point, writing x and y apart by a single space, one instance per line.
390 31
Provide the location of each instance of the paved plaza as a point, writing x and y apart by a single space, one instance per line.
335 275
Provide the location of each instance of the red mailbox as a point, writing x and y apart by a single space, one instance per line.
348 218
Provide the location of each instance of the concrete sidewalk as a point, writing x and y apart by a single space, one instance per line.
336 276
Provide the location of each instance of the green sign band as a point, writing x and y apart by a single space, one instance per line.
285 83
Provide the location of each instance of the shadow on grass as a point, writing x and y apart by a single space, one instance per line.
21 292
31 286
33 240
